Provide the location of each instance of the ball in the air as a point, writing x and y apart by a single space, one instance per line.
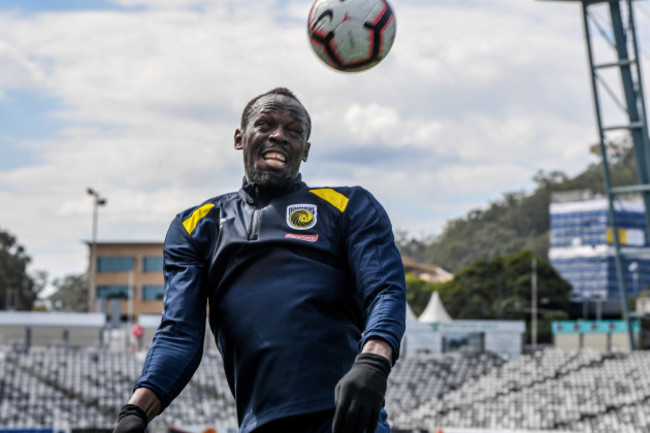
351 35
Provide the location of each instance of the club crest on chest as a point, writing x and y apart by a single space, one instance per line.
301 216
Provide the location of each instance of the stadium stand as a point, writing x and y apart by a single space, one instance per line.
548 390
84 388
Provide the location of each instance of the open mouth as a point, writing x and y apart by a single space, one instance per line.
275 159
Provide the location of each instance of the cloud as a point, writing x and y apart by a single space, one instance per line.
474 98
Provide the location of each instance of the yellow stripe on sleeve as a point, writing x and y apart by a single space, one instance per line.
335 198
191 222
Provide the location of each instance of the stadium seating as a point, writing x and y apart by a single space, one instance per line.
550 389
85 388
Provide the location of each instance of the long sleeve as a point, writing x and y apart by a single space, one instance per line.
377 267
177 346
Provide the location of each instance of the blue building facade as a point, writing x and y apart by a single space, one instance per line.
582 251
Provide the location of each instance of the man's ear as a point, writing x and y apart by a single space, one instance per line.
305 153
239 145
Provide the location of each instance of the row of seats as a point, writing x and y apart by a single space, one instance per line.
85 388
550 389
582 391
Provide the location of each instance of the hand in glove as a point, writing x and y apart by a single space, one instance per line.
359 395
132 419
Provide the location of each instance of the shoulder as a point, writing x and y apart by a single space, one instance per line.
208 209
344 197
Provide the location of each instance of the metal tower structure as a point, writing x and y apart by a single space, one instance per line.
623 62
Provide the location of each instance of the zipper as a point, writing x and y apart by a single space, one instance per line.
254 229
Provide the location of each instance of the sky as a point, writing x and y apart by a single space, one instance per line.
139 100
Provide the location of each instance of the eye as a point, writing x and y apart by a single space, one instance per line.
263 124
296 130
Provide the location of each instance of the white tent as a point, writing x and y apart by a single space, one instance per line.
434 312
419 336
410 316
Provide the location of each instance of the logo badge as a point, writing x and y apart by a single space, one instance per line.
301 216
308 238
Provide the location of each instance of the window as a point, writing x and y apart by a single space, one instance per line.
152 264
113 291
152 292
465 341
115 264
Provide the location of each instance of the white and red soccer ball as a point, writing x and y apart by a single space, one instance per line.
351 35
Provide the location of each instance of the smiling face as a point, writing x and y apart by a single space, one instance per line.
273 140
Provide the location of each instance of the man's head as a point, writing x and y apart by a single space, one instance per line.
273 137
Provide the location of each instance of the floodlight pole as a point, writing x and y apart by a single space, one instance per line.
97 201
533 319
129 319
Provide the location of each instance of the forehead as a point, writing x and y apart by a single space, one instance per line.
279 105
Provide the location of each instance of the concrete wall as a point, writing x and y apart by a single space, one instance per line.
597 342
83 336
10 334
41 329
567 341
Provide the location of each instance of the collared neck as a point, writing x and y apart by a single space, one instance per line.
254 193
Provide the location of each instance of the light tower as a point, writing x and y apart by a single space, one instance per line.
98 201
626 64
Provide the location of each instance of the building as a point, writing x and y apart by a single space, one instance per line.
643 304
582 250
125 267
430 273
131 274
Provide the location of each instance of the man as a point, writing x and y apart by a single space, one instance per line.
299 280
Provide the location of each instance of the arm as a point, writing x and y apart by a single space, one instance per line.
177 346
359 395
379 347
377 267
379 276
148 401
134 416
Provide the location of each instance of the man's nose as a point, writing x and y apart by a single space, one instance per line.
278 134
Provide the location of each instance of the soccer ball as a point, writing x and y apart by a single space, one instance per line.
351 35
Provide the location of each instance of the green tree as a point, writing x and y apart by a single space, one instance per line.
17 288
418 293
515 222
40 279
474 290
71 293
500 288
411 247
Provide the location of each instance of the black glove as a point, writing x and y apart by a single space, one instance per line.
132 419
359 395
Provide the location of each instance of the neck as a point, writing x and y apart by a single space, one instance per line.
267 191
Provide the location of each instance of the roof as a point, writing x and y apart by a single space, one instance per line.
432 272
410 315
39 318
435 311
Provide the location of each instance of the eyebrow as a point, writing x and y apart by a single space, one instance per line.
296 115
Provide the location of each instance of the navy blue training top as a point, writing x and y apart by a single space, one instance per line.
297 280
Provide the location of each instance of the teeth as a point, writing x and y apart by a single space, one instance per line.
275 155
